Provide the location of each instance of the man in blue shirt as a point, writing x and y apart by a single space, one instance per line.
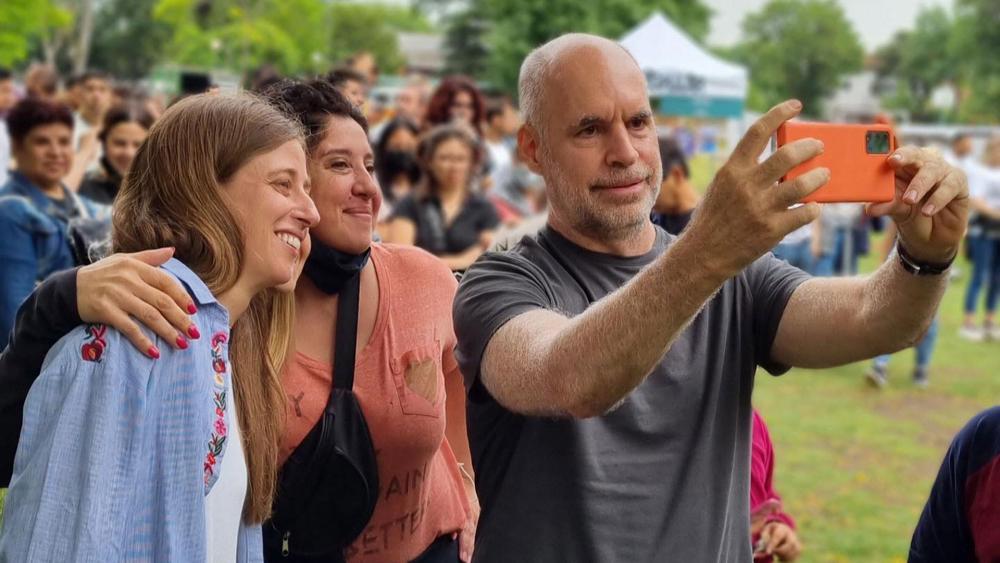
35 207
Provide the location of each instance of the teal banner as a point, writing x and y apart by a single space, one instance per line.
688 106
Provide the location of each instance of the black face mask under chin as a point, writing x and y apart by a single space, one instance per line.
330 269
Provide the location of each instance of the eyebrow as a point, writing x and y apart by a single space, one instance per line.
291 171
342 152
588 121
591 120
645 115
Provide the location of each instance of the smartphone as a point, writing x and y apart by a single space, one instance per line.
857 156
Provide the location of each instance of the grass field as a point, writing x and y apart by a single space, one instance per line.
854 464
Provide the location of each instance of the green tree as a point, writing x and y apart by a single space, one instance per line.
128 26
919 61
243 34
798 48
372 28
466 50
521 25
978 42
26 24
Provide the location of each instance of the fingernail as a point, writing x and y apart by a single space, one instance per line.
192 309
182 343
795 104
929 209
153 352
896 157
193 332
911 196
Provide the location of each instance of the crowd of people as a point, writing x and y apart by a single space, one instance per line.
462 278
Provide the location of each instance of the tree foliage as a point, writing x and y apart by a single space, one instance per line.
518 26
919 61
23 23
466 50
128 26
977 36
798 48
372 28
296 36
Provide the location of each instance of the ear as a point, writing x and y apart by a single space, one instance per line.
527 147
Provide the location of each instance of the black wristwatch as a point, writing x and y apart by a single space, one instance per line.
918 268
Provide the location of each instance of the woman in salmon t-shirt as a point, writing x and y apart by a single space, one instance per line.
406 379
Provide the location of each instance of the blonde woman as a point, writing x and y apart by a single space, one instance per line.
171 455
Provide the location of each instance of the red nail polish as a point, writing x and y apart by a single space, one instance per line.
192 309
182 343
193 332
153 352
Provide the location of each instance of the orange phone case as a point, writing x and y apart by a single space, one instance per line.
856 175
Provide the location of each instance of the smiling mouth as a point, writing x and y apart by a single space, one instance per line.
626 186
291 240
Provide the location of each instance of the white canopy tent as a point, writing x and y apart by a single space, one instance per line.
683 78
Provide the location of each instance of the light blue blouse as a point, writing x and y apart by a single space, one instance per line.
118 451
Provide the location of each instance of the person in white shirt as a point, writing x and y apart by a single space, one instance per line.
7 101
95 100
984 244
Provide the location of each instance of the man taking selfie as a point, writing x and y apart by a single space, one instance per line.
610 365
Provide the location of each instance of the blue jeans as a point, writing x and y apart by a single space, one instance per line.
985 271
797 254
924 348
842 260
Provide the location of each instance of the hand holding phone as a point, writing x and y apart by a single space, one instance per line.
856 154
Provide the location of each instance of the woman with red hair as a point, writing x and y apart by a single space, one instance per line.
457 99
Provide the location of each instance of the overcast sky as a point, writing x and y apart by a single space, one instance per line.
875 21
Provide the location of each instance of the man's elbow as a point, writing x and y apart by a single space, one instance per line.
580 401
590 408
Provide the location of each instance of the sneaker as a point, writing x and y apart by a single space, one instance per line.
921 378
877 377
992 332
971 333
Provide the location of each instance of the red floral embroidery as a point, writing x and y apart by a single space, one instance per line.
217 443
94 348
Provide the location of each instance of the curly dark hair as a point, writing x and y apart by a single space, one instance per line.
312 103
342 75
439 108
33 112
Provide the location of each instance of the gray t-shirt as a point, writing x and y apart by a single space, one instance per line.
664 477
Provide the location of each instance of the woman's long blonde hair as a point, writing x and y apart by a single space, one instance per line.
171 196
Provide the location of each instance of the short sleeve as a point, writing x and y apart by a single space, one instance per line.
772 283
498 287
489 218
948 525
406 208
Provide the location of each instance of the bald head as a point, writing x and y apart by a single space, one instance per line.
564 58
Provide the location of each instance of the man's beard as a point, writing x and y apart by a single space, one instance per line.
587 215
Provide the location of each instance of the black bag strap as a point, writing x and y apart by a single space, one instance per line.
346 338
